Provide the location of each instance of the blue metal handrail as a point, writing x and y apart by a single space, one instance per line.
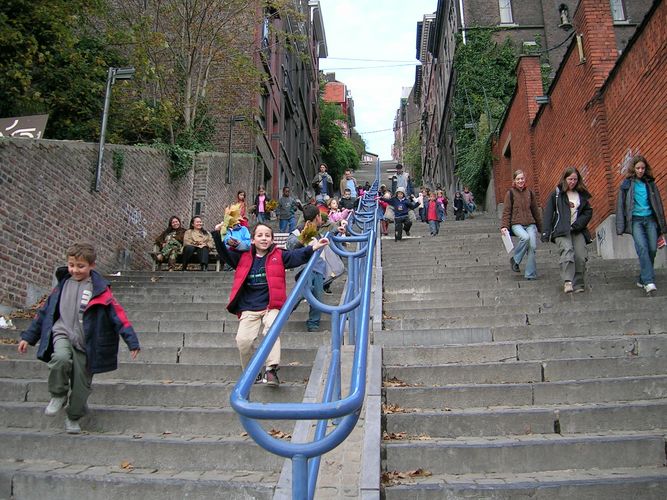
354 310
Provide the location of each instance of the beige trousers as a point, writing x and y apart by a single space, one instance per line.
250 324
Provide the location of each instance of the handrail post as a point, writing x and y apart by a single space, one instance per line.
300 478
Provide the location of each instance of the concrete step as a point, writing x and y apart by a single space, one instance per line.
531 299
603 390
647 483
508 421
595 347
522 454
568 306
195 355
52 479
148 451
166 372
141 392
527 371
509 319
306 340
158 420
228 325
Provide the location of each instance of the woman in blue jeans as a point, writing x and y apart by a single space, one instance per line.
639 212
522 216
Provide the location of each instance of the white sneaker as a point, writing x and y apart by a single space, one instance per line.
650 288
567 287
54 406
72 426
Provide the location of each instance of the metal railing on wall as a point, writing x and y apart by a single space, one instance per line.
354 312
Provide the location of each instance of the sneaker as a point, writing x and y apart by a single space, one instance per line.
407 232
328 291
260 379
313 328
272 377
54 406
567 287
515 266
650 288
639 285
72 426
581 289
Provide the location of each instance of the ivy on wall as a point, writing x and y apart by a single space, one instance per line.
485 81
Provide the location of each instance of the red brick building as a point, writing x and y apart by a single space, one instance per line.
601 109
336 92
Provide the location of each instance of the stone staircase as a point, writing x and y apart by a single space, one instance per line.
501 388
161 426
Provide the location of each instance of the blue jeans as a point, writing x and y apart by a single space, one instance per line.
261 217
287 225
317 287
527 244
434 226
645 234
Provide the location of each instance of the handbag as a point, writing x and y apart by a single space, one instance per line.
389 214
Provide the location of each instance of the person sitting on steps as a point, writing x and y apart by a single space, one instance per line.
197 240
170 242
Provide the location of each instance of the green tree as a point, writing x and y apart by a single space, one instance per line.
412 156
485 81
54 61
337 151
358 142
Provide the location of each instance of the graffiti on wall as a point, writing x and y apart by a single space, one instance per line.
624 164
136 220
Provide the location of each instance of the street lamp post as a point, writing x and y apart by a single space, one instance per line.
232 119
113 75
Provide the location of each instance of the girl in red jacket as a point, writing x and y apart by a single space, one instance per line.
259 290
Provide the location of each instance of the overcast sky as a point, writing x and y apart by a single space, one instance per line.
383 30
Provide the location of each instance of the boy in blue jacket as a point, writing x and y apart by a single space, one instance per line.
78 329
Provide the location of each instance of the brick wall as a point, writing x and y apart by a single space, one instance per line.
47 203
600 110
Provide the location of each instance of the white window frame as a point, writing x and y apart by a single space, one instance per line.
618 10
505 9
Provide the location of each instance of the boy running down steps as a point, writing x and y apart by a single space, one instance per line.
78 329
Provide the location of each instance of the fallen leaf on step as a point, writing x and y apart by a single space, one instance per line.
423 437
137 436
7 341
155 278
392 408
244 434
395 382
419 473
125 464
393 436
294 363
166 433
397 477
167 381
279 434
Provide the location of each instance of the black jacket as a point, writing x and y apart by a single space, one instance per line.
104 320
556 219
626 202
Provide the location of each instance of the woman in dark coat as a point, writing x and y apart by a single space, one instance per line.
566 217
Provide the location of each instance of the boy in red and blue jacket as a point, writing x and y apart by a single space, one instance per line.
78 330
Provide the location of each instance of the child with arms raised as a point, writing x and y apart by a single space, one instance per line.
259 290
